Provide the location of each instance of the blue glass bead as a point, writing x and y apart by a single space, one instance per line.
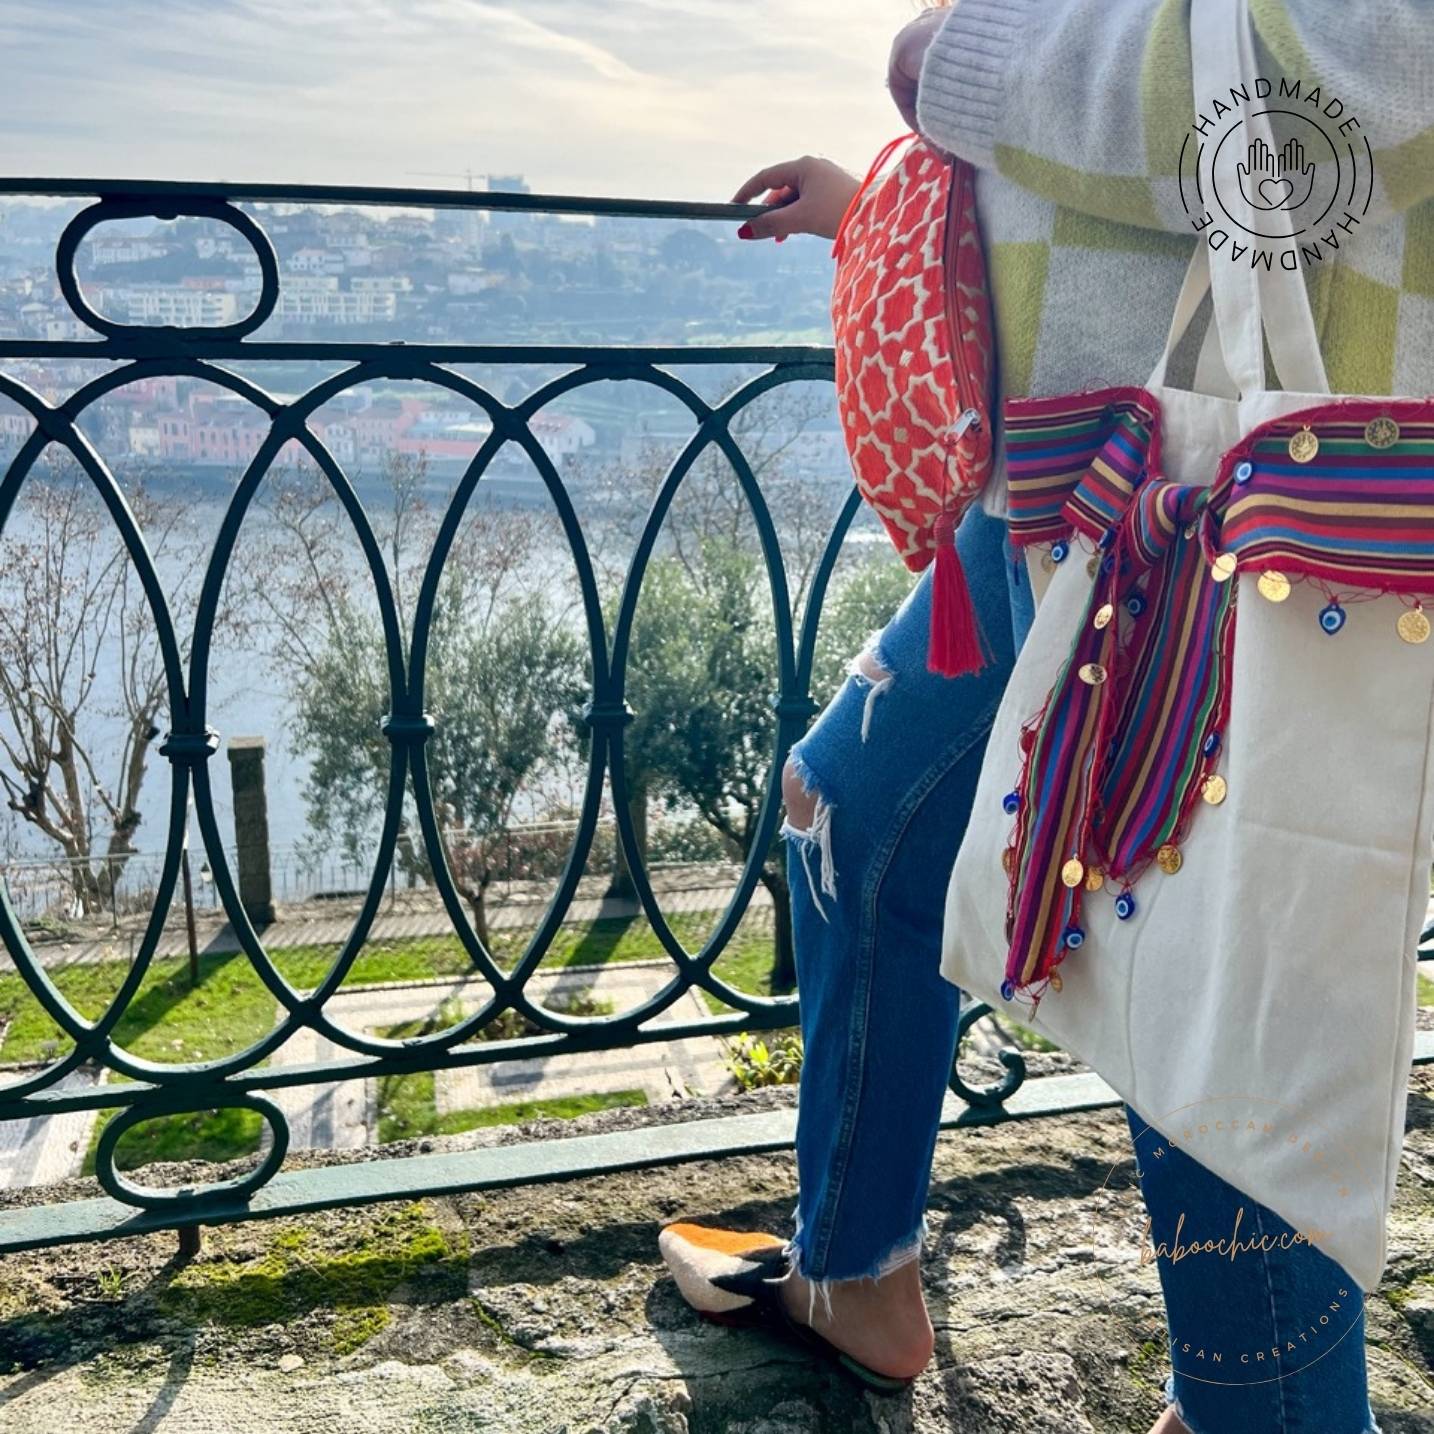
1125 906
1011 803
1107 564
1107 538
1074 938
1135 604
1333 618
1244 472
1008 991
1211 745
1059 552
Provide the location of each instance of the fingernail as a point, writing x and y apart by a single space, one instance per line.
745 232
781 238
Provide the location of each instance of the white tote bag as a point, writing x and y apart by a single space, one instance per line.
1262 968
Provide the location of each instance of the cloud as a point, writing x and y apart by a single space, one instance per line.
667 98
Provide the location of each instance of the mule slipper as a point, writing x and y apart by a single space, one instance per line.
734 1277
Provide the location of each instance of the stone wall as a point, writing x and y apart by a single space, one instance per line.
546 1309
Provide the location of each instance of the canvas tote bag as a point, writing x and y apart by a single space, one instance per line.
1200 850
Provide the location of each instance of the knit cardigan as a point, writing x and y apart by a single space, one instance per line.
1076 112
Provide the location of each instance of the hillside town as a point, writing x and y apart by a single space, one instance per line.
420 275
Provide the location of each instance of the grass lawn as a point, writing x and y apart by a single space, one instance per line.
406 1109
746 965
1426 991
231 1008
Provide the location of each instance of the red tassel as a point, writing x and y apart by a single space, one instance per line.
956 649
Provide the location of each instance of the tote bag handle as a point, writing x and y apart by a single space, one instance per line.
1252 303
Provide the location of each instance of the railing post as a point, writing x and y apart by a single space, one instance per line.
622 886
251 828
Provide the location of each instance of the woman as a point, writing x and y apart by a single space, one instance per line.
1075 111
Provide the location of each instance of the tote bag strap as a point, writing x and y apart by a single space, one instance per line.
1252 304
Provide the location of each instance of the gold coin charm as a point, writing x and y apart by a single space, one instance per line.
1274 586
1214 789
1091 566
1073 872
1413 626
1381 432
1223 568
1048 563
1103 617
1168 859
1056 983
1008 860
1304 445
1094 879
1093 674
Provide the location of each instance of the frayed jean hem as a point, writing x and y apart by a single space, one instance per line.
903 1252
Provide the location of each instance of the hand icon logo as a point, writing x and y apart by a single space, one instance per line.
1276 181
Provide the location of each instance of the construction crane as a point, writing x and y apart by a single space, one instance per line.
466 174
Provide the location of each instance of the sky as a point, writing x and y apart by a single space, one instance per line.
668 99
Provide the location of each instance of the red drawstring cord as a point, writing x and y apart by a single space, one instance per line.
866 184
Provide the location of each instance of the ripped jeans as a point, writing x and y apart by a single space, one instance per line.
892 764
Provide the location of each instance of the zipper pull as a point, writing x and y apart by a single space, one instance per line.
970 419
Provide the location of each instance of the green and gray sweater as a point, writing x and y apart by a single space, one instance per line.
1076 112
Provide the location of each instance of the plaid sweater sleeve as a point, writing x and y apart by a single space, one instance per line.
1087 102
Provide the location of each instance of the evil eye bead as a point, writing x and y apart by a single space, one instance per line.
1244 472
1008 991
1211 745
1060 552
1125 906
1135 604
1332 618
1074 938
1011 803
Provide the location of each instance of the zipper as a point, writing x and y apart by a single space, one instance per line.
966 394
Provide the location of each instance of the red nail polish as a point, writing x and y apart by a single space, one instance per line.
745 232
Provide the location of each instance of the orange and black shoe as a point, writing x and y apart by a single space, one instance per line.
735 1277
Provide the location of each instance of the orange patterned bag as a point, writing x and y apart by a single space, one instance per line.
912 320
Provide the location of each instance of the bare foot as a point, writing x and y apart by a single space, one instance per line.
881 1323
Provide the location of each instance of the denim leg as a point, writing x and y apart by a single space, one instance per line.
893 766
1264 1342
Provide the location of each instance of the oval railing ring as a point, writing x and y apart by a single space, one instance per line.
111 208
147 1197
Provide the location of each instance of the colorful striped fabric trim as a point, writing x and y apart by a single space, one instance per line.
1054 445
1115 764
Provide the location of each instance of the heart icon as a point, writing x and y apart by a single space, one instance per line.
1276 192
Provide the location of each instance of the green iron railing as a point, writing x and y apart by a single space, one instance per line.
145 1089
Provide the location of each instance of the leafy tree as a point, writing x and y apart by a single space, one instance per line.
700 679
505 675
702 665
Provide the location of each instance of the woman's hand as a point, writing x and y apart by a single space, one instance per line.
908 53
813 194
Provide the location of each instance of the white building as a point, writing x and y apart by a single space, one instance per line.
125 251
144 440
313 305
561 435
182 308
316 261
381 284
